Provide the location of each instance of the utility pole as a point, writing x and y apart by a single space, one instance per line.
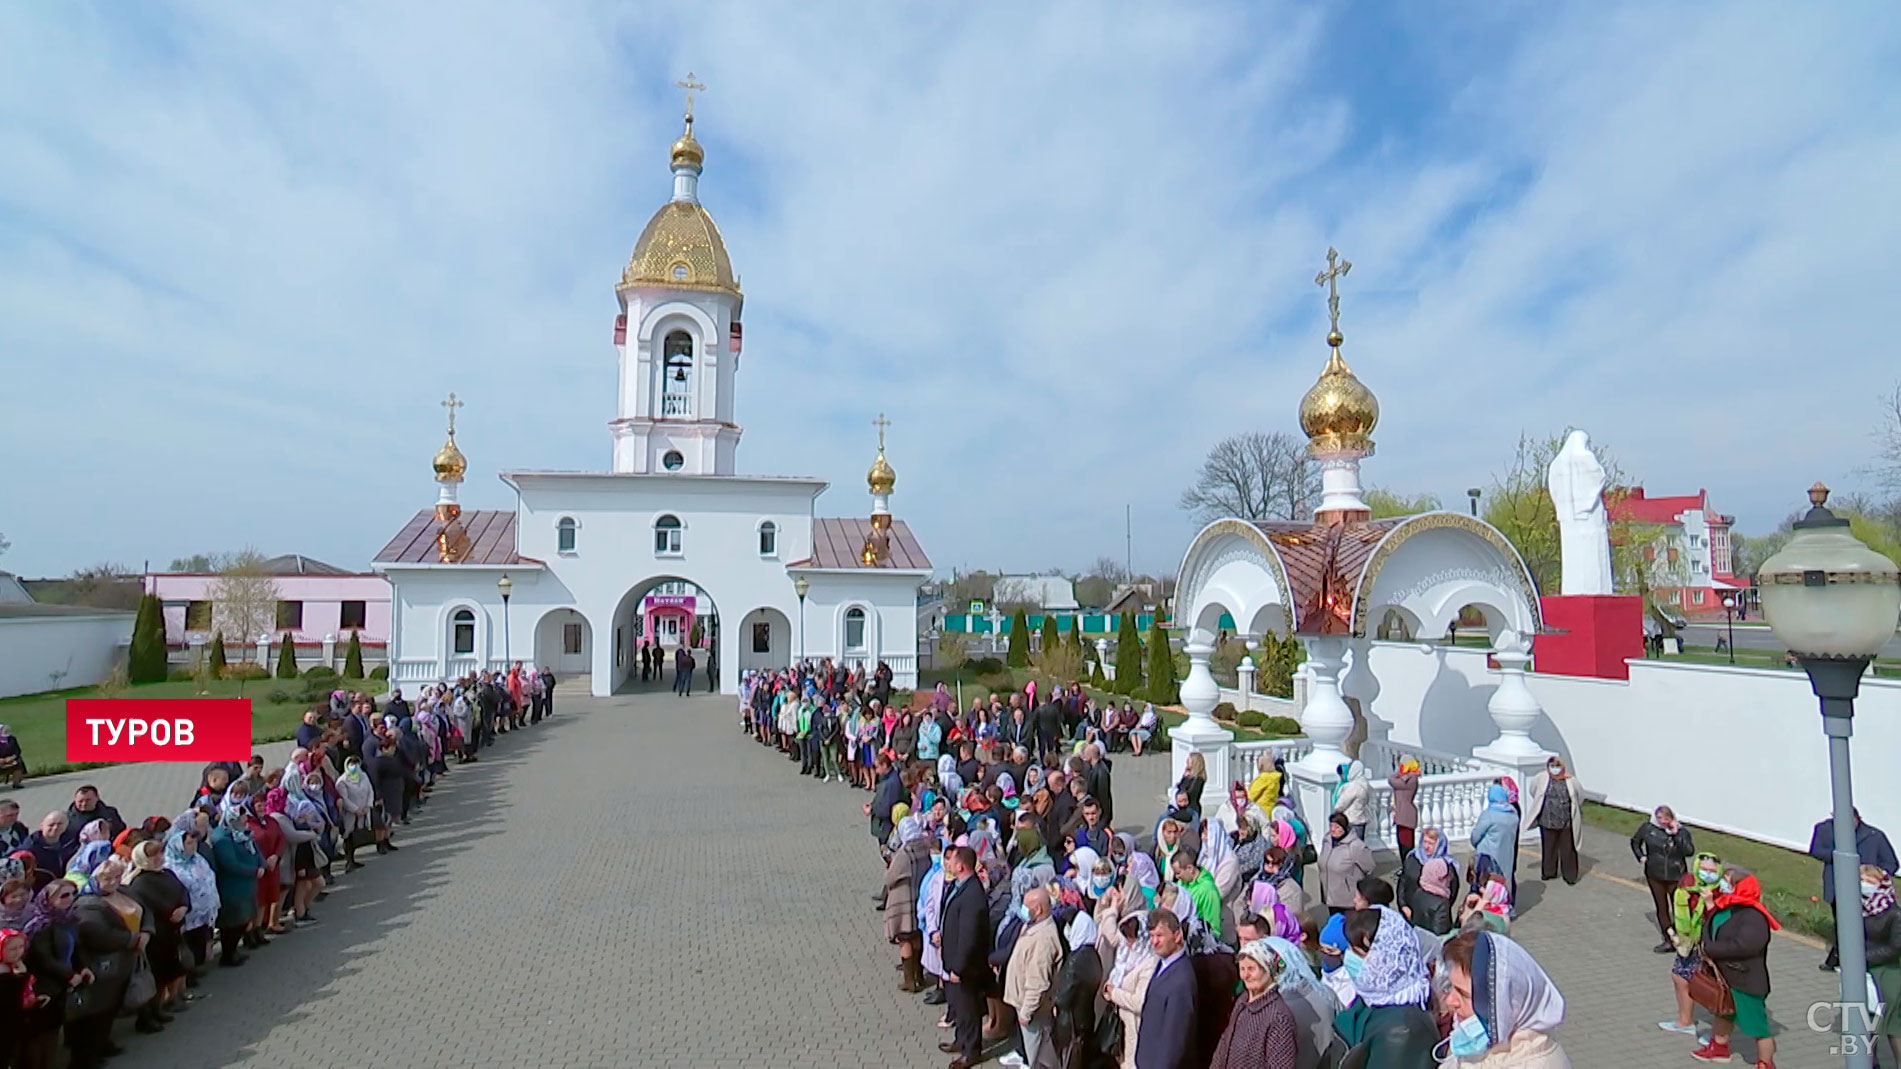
1128 553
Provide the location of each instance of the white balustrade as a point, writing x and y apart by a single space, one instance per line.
415 670
676 404
1450 802
1382 757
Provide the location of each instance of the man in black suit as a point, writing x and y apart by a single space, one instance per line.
964 940
1096 782
1166 1039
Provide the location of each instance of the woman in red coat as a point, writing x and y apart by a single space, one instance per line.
270 891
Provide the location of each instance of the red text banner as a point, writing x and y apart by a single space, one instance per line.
158 729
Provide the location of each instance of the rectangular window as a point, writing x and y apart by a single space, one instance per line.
666 540
564 538
465 637
570 638
768 540
762 637
198 616
855 632
353 614
1673 554
290 615
1699 597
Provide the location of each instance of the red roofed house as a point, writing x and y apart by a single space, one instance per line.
1690 562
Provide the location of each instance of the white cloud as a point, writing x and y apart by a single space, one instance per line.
1065 247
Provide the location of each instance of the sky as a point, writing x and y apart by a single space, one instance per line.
245 250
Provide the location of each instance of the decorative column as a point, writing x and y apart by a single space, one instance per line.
1102 656
1515 710
1327 721
264 651
1200 734
330 650
1244 673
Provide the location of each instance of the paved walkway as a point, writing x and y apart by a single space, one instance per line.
635 883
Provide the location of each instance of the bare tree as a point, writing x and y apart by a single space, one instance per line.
244 599
1888 438
1108 568
966 587
1255 476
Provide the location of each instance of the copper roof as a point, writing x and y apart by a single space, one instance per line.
837 541
1323 565
491 539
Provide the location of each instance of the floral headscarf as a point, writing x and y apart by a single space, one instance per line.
97 831
88 858
1881 900
275 801
43 915
1395 971
1419 848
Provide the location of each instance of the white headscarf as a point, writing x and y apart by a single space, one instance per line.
1081 932
1395 971
1510 991
1134 951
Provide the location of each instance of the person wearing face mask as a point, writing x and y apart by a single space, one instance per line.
1389 1025
1736 938
1505 1010
1262 1032
1881 928
1665 848
1030 978
1554 806
1690 904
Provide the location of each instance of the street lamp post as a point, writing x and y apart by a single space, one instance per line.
507 587
1474 495
1729 624
801 585
1834 603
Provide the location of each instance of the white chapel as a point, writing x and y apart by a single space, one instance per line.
561 579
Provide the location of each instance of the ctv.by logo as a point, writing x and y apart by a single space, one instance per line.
1855 1038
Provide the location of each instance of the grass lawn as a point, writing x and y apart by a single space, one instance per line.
1790 881
39 720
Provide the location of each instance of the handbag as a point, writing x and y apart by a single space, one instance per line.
1710 990
141 988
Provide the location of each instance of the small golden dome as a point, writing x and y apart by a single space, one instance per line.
881 477
681 248
1339 412
450 464
687 151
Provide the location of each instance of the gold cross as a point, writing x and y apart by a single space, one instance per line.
691 87
1330 278
881 423
451 404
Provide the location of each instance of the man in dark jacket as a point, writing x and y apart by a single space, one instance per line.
889 793
1166 1038
1871 845
964 940
1096 782
1049 728
87 808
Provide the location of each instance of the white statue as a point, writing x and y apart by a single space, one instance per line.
1576 482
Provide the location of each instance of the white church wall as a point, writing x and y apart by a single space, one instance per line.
41 653
1736 749
889 601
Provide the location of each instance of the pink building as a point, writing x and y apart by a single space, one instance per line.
668 614
315 601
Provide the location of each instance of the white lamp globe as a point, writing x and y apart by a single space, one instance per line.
1827 594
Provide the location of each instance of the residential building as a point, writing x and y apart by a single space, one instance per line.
315 601
1690 560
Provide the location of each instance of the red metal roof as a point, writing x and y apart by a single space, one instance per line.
1323 565
1631 504
491 539
836 543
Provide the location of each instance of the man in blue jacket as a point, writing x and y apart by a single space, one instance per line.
1871 845
1166 1039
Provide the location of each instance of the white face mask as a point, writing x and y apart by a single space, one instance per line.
1868 889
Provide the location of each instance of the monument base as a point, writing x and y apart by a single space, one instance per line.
1600 633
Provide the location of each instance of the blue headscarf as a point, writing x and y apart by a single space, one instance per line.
1419 848
1499 799
86 860
175 852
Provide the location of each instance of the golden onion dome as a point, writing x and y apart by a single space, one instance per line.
1339 412
450 464
687 151
882 478
681 248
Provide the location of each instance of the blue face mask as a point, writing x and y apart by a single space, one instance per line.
1468 1039
1353 963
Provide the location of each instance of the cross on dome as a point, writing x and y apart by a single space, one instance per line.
1337 268
691 87
452 404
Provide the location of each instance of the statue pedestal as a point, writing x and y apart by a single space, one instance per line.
1600 632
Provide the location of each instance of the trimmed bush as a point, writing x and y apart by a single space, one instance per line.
353 660
145 662
286 658
1281 725
246 670
984 666
320 671
279 696
1250 718
179 675
1002 682
1019 654
1052 638
380 672
1161 670
1128 678
1225 712
217 655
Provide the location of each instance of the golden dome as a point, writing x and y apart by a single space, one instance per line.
1339 412
681 248
687 151
450 464
881 477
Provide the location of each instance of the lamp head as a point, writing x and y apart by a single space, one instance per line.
1827 594
505 585
801 585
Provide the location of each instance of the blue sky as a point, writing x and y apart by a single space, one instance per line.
245 249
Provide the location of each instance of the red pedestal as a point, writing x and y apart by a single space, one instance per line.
1599 633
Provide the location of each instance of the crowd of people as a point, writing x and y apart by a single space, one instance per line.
103 918
1053 935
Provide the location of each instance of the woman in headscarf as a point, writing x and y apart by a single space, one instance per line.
1405 784
1344 862
1881 929
1033 866
1265 788
1736 938
1388 1023
1312 1003
1495 834
904 875
212 783
297 869
185 858
948 779
1431 905
1353 796
1412 861
1261 1032
1505 1010
112 930
52 941
87 859
164 901
238 864
269 838
1078 981
1128 982
356 799
16 895
13 759
1139 877
1690 905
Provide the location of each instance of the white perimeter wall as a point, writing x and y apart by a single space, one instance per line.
1738 749
32 648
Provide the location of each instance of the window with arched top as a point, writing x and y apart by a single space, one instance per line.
564 534
854 630
676 375
666 536
462 629
768 539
